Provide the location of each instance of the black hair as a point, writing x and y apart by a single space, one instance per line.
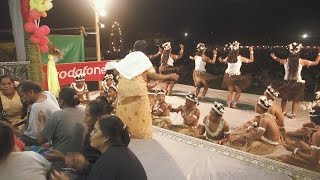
140 45
233 56
69 96
113 128
7 76
293 63
100 106
7 140
28 85
315 116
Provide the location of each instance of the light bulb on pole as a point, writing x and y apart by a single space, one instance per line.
304 36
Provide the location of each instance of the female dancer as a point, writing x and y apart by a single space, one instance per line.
293 87
167 67
232 77
199 73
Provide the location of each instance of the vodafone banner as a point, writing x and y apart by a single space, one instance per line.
94 70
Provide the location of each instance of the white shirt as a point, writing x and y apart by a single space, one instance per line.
48 106
170 60
298 76
234 68
26 165
199 64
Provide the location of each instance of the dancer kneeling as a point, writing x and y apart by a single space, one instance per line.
160 111
263 138
190 114
306 155
216 128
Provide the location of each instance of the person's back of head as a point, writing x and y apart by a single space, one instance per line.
100 106
140 45
233 56
68 97
113 128
6 141
28 85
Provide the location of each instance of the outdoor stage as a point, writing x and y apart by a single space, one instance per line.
170 155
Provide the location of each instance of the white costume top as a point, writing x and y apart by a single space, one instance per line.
170 60
234 68
298 77
199 64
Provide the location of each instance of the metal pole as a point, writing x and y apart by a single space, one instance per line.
98 43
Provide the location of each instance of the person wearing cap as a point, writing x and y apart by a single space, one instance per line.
167 64
215 127
133 106
190 115
81 87
263 138
160 111
232 79
292 89
199 73
306 155
275 109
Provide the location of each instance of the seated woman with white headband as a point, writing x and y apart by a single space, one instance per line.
81 87
263 138
190 114
216 128
160 111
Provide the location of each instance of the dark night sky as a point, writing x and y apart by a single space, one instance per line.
254 21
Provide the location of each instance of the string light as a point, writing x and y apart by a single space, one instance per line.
116 37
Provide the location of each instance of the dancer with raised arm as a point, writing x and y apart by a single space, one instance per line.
199 73
233 79
293 86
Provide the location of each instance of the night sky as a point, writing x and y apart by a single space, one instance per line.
250 21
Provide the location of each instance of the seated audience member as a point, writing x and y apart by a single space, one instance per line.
216 128
190 114
10 102
17 165
81 87
263 138
94 110
44 101
110 136
65 127
160 110
306 155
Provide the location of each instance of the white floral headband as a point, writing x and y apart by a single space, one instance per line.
317 95
192 97
272 92
108 76
264 102
295 47
161 91
235 45
166 46
80 77
218 108
201 47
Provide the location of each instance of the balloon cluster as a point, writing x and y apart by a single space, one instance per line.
37 9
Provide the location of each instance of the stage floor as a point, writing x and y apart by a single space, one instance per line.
171 155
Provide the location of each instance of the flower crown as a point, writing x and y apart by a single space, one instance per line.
80 77
310 106
108 76
166 46
235 45
201 47
272 92
264 102
161 91
294 48
192 97
218 108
